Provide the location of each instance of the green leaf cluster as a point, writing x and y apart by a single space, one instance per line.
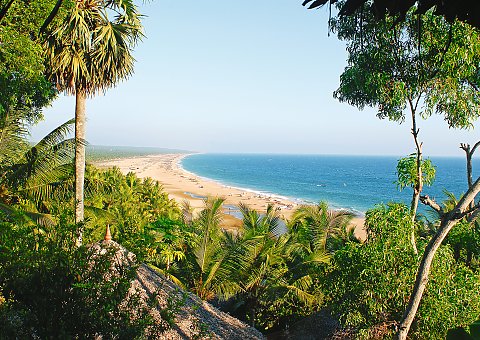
49 288
265 277
127 203
422 63
31 174
407 172
23 86
369 284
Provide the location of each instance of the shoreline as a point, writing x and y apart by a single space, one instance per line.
243 189
183 185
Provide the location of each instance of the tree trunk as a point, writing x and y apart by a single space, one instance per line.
417 189
469 153
51 16
415 199
448 222
422 278
4 10
80 120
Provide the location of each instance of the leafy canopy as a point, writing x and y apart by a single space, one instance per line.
407 172
368 284
23 86
422 63
90 51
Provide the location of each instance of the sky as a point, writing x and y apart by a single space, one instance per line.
250 76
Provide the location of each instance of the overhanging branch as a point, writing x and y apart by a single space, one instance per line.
50 17
5 9
425 199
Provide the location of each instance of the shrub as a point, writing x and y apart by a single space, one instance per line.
51 289
369 284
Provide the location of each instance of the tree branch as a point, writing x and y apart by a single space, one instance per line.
425 199
474 147
470 210
447 223
473 216
469 154
5 9
447 47
465 147
52 15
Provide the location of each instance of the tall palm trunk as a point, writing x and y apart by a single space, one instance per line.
80 120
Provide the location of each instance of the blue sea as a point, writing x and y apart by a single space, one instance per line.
356 183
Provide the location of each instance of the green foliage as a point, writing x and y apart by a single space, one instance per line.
13 133
208 250
464 239
52 289
460 333
421 59
23 86
167 243
128 204
369 284
31 174
90 51
407 172
265 279
368 281
320 228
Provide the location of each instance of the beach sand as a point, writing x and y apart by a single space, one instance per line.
182 185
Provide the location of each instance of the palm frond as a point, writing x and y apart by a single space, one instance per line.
33 218
89 51
209 223
173 278
316 224
13 132
43 163
319 256
299 289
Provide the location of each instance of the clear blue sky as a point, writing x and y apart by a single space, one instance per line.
243 76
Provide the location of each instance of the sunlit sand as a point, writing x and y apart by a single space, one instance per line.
185 186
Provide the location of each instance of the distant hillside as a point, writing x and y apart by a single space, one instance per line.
103 152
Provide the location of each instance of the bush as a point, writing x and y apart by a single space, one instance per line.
51 289
369 285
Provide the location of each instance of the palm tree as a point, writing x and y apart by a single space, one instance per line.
13 133
208 226
211 255
316 225
255 223
43 167
30 174
267 268
32 170
89 53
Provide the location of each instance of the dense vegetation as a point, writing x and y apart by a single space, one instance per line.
101 152
49 287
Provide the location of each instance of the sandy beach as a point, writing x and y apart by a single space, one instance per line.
182 185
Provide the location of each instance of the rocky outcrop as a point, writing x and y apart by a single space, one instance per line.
193 317
189 316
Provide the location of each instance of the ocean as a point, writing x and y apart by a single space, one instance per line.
356 183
